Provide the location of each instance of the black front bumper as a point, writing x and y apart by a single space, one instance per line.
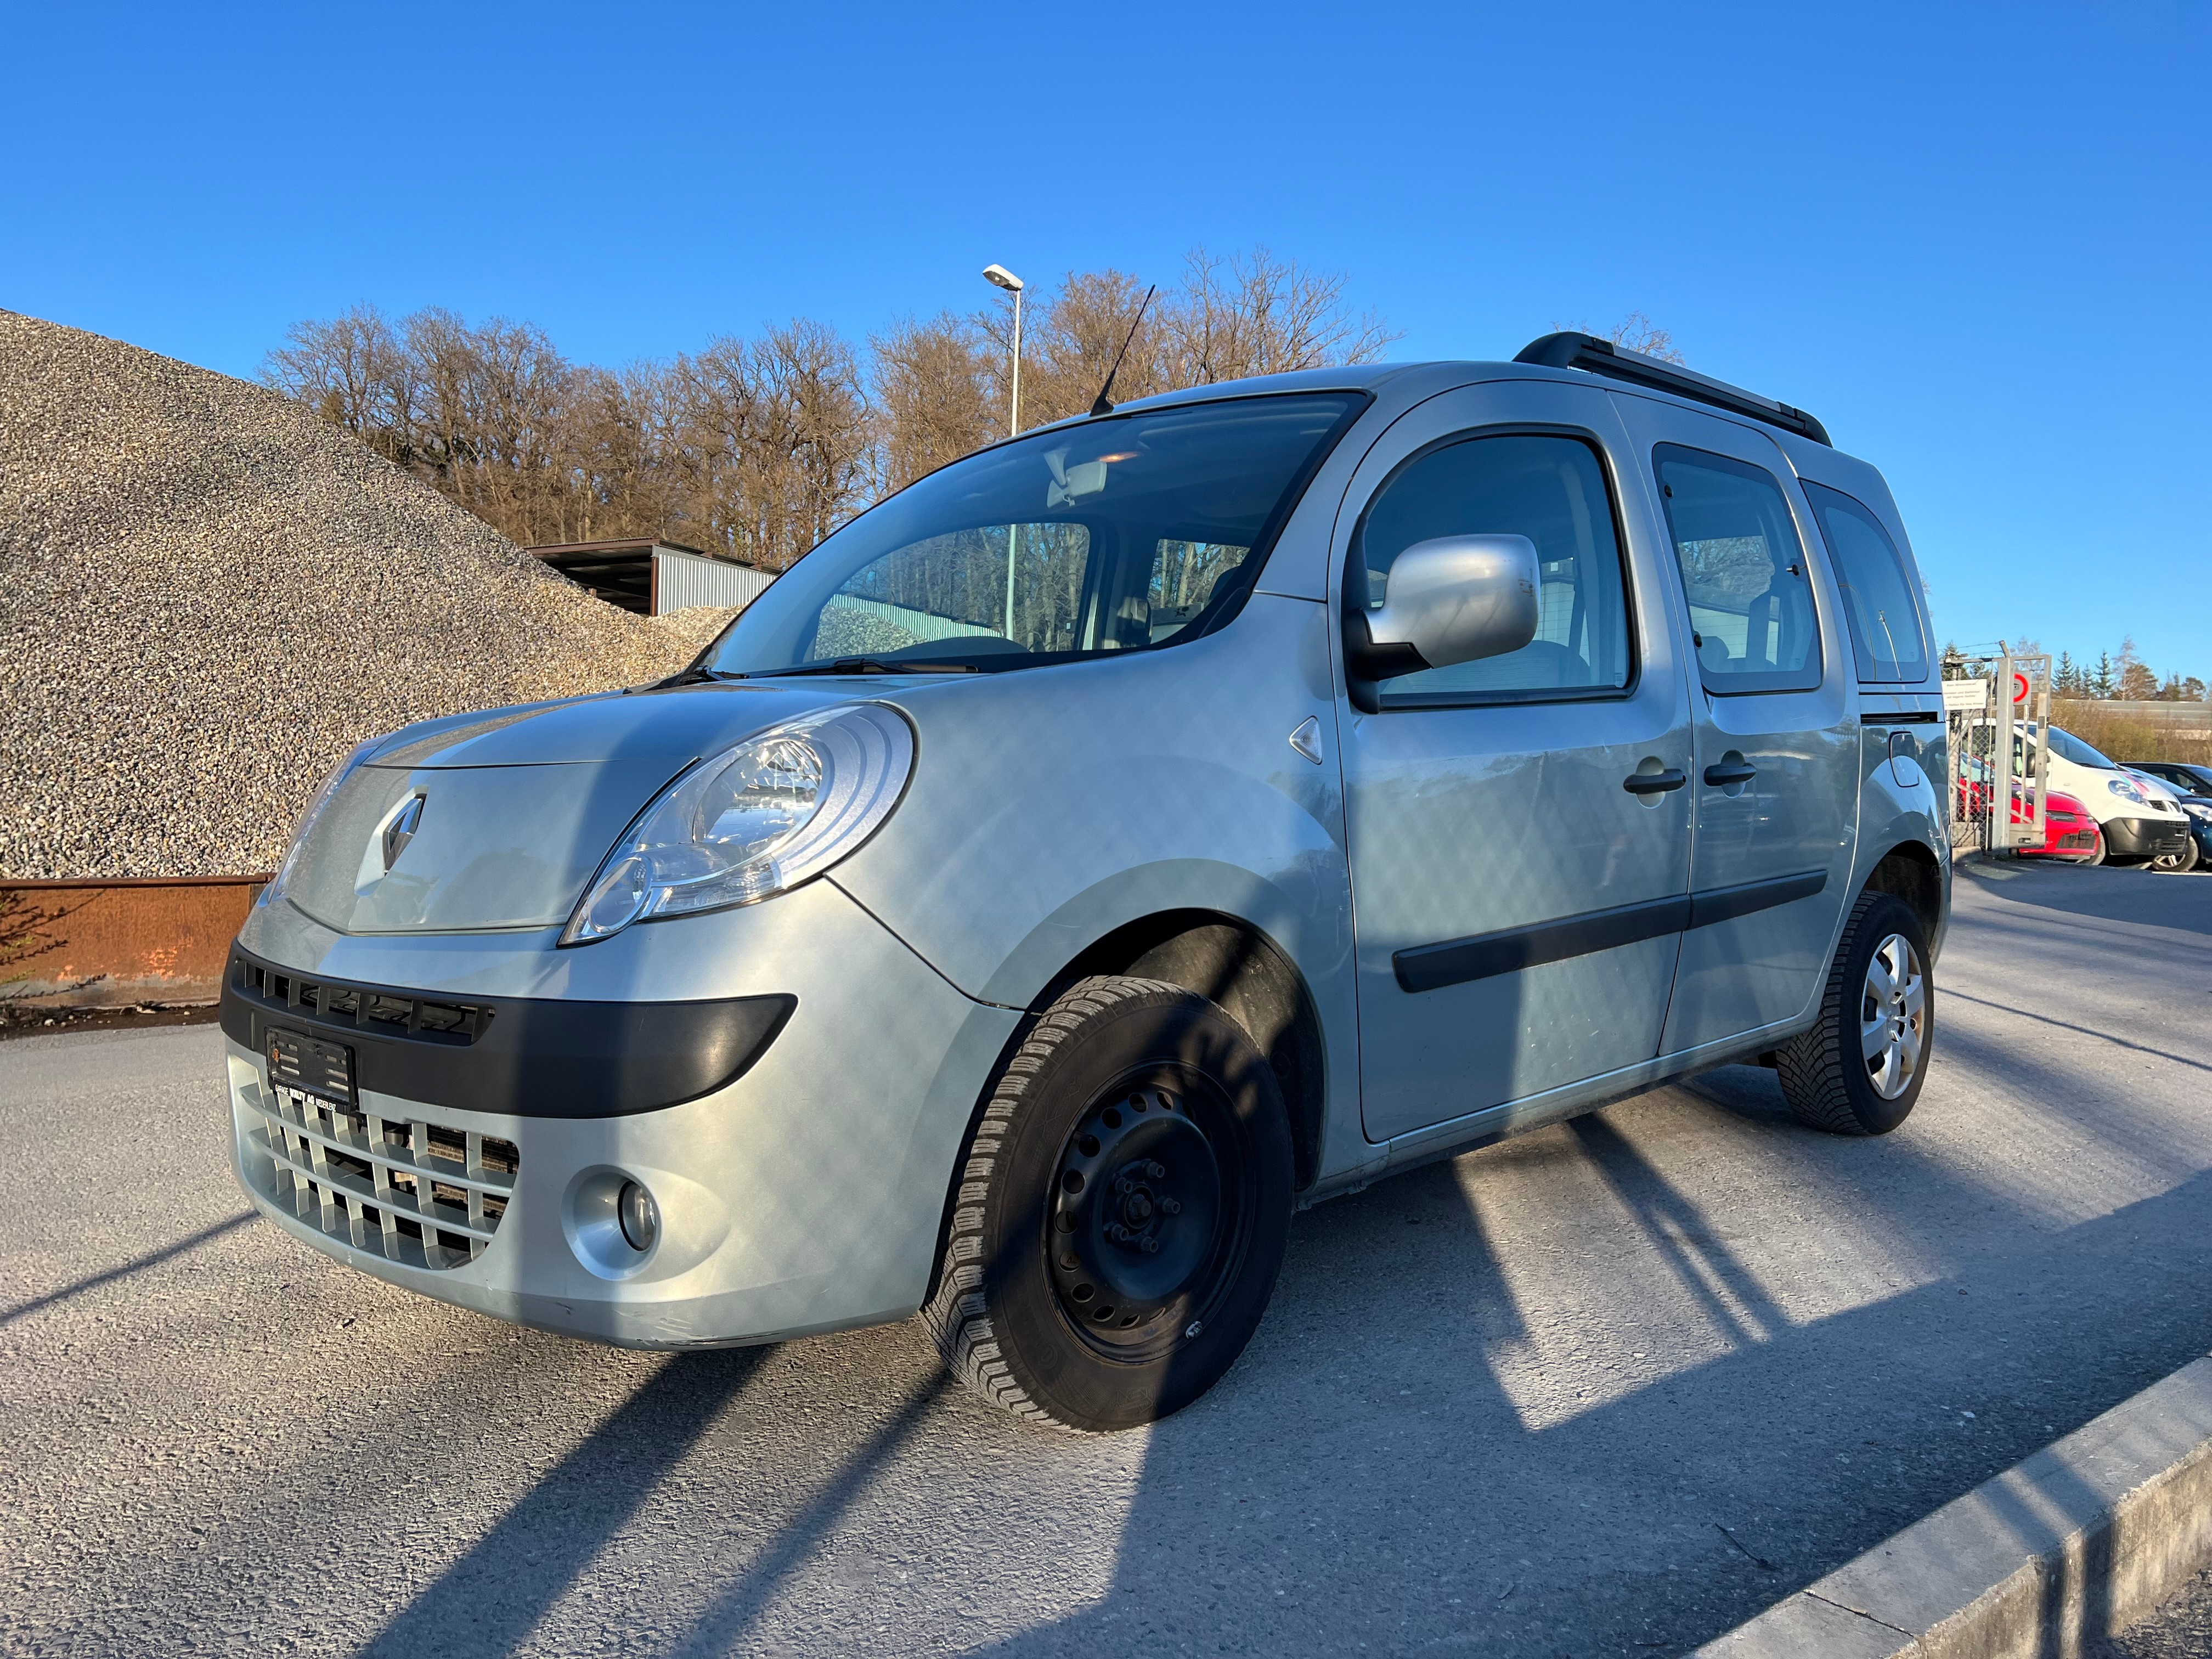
2145 838
520 1056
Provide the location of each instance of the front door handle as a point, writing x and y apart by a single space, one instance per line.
1655 783
1721 773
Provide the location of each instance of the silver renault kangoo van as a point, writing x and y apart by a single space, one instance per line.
1108 845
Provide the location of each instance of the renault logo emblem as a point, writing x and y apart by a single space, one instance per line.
400 829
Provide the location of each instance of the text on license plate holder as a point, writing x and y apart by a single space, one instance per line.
310 1065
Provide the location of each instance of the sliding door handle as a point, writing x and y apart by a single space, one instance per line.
1655 783
1721 773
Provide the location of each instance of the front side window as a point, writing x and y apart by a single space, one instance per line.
1751 602
1885 632
1551 490
1126 534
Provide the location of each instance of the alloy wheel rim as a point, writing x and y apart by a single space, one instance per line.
1894 1016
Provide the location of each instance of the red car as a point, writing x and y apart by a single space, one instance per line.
2069 831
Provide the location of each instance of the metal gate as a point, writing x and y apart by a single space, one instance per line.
1997 708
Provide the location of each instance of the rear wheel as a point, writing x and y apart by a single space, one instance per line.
1859 1070
1121 1213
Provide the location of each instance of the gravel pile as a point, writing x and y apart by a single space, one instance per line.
207 596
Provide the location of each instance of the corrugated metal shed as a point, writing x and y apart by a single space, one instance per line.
682 579
651 577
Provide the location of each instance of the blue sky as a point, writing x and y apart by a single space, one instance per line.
1972 239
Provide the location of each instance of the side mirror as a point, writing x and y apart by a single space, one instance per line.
1455 599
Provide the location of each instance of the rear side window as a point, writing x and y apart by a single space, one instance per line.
1885 632
1751 603
1551 490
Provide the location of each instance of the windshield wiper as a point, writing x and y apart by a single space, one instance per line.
870 666
694 675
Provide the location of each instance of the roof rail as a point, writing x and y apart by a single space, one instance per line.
1587 351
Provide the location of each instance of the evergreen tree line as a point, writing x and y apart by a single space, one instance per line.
759 447
2124 677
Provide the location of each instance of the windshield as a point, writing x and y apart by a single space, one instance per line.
2067 746
1118 534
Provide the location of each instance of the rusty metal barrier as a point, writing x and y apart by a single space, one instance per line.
146 941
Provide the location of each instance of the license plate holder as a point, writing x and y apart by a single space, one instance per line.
310 1065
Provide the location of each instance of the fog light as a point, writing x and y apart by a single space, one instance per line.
639 1215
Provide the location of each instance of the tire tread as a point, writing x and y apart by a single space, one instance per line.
958 1317
1811 1066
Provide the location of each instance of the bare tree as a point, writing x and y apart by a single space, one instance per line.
761 447
1071 342
1245 314
777 440
935 383
1232 316
1637 332
343 369
2136 682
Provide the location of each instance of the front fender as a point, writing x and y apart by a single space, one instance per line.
1051 807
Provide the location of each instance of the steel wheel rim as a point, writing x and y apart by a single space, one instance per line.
1894 1016
1145 1241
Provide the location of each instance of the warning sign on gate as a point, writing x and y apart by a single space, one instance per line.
2019 688
1971 696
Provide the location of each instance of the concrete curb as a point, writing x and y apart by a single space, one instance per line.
2078 1542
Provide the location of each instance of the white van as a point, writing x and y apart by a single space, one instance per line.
2138 823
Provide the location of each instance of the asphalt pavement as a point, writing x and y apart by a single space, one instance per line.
1608 1388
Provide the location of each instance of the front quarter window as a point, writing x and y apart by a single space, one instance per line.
1126 534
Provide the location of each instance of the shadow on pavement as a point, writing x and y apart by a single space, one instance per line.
491 1600
139 1264
1300 1507
2143 897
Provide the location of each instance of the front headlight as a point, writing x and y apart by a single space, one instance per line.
759 817
2198 809
2126 791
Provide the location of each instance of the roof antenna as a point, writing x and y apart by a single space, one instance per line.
1103 404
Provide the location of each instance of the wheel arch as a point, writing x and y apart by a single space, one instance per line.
1233 964
1910 871
1236 966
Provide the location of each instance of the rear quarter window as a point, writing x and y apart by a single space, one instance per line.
1887 638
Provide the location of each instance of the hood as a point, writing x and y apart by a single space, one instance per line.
498 820
2157 790
680 724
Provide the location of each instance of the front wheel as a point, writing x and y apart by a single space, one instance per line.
1121 1213
1859 1070
2178 864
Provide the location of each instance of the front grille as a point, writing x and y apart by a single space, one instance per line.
400 1014
409 1190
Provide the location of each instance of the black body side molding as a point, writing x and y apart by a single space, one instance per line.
1727 903
1456 962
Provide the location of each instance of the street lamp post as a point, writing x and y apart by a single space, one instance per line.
999 276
